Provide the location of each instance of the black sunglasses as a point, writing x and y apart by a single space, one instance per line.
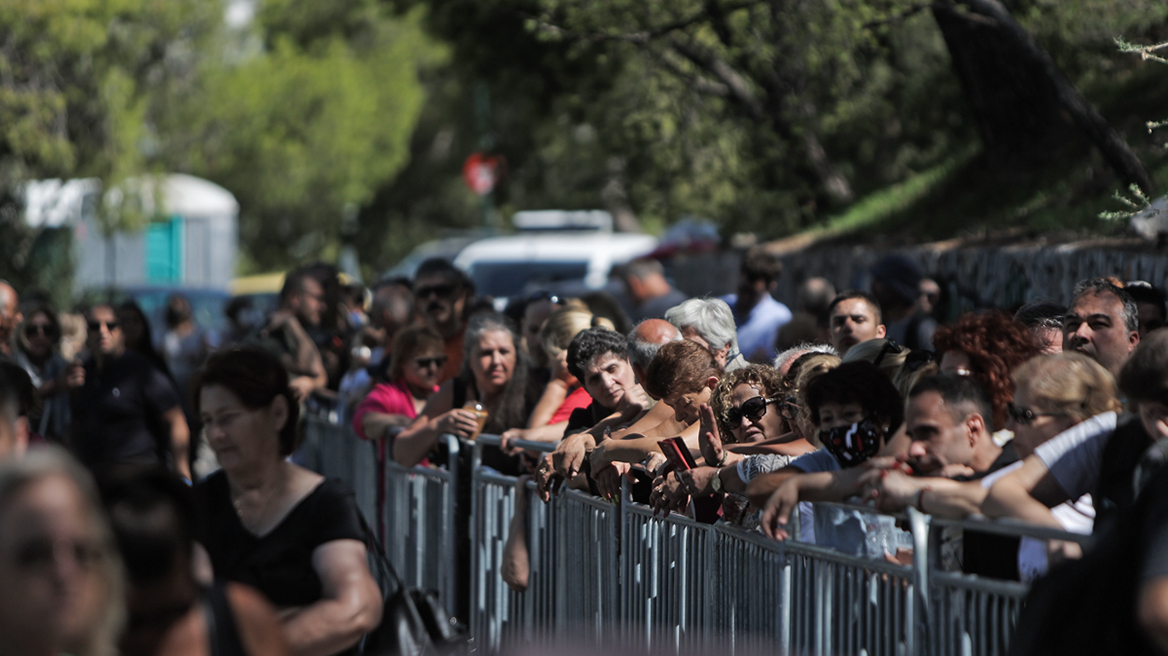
95 326
425 363
45 329
752 409
1025 416
445 290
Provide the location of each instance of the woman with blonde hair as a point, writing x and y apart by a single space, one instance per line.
61 588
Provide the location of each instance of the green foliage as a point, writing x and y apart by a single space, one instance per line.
76 77
317 119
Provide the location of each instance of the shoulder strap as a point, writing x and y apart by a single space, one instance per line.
386 569
222 631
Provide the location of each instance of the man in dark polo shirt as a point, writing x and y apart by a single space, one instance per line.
127 411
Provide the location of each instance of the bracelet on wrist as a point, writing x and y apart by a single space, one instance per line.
919 501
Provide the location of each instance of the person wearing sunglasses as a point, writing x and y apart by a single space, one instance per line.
127 411
748 407
442 296
408 378
38 354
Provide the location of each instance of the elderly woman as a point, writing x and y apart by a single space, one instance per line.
51 374
746 408
493 382
60 576
284 530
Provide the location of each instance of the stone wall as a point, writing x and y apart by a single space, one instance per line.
982 275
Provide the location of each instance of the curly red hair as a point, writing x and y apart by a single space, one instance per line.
996 345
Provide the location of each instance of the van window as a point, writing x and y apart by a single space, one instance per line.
517 278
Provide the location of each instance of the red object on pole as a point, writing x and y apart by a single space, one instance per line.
481 172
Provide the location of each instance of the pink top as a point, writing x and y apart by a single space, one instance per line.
391 398
577 398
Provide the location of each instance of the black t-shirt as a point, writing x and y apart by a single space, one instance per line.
118 412
1114 492
279 563
987 554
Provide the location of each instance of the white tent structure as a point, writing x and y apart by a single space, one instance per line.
191 239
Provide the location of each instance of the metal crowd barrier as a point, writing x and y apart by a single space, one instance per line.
613 573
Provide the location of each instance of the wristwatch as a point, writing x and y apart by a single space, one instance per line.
716 484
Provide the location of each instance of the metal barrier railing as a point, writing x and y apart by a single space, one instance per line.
600 571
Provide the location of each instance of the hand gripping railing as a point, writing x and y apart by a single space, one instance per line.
606 572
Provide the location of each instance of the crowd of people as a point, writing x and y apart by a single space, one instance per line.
151 500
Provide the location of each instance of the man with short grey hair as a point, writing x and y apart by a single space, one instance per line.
709 322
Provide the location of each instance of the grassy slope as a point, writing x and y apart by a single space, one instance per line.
963 196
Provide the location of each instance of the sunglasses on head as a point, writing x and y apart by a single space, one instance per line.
95 325
752 409
45 329
1025 416
445 290
426 363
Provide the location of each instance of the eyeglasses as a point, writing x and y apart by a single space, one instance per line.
426 363
95 326
1025 416
752 409
445 290
41 554
46 329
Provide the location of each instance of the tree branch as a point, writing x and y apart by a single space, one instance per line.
737 86
640 37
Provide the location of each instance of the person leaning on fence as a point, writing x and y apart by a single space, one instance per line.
494 375
1052 394
282 529
683 375
599 358
1104 456
854 408
743 433
563 394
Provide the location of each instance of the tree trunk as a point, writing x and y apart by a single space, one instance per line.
1024 106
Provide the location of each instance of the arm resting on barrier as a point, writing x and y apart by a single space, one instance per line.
351 606
893 490
547 433
759 490
415 442
378 424
804 486
1027 494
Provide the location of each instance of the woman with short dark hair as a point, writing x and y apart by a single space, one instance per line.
287 531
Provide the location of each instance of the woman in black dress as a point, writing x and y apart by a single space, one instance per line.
278 527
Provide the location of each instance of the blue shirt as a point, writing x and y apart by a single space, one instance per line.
756 331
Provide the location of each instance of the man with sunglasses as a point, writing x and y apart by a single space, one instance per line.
442 295
10 317
127 411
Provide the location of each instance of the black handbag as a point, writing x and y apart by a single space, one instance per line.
413 622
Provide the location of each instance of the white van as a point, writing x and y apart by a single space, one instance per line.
554 251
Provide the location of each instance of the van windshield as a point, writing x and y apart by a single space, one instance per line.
518 278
